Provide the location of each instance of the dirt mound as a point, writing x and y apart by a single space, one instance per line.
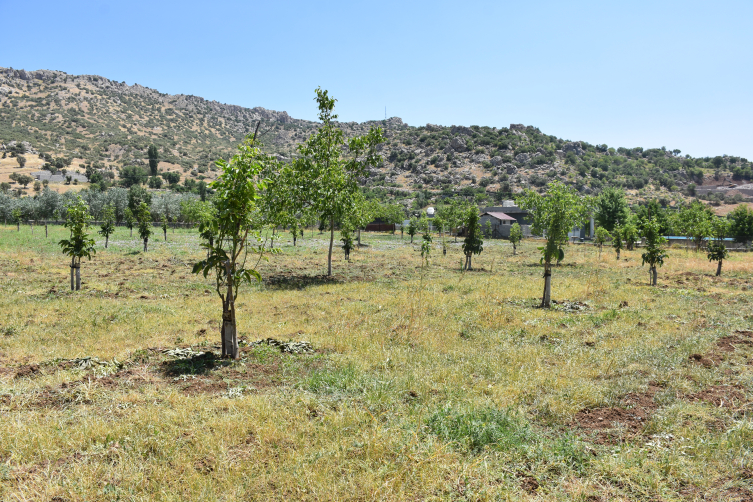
28 371
721 396
615 424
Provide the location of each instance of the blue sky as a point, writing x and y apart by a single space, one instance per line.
661 73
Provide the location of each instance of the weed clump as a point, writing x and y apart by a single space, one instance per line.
477 429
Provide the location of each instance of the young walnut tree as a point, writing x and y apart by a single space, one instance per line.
80 244
655 253
108 223
323 180
473 244
236 195
516 234
144 218
602 236
554 216
717 250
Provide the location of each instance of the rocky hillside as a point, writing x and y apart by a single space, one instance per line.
88 119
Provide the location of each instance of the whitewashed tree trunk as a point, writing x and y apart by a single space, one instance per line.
73 265
145 244
653 275
719 269
78 275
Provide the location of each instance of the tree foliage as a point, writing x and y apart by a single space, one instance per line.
107 227
227 234
473 244
323 180
79 245
611 208
554 215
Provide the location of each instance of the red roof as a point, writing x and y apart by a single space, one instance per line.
500 216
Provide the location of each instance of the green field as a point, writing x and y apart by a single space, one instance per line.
424 384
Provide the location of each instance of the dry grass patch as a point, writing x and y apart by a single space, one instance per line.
426 384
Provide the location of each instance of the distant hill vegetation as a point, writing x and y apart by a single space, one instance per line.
105 128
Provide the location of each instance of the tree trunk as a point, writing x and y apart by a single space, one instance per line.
229 333
131 231
165 232
719 269
293 240
411 239
73 283
145 244
18 226
45 231
618 255
653 275
32 228
470 262
331 240
546 300
514 249
107 238
78 275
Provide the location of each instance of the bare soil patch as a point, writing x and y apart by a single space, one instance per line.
28 371
721 396
612 425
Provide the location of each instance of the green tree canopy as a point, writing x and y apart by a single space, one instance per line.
611 208
554 215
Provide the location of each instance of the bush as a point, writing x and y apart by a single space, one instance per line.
21 160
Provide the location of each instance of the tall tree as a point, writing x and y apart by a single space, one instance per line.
108 223
324 182
237 192
153 155
80 244
611 208
554 216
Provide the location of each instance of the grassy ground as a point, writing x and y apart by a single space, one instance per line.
424 385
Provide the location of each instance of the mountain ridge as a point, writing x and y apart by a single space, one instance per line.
94 121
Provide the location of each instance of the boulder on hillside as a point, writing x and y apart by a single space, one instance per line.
496 160
465 131
458 144
573 146
522 158
510 168
433 127
480 158
517 127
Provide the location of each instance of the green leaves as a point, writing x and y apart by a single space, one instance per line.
227 229
79 244
655 253
554 215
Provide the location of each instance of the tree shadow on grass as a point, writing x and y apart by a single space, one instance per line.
201 364
292 281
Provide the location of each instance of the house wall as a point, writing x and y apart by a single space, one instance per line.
501 230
